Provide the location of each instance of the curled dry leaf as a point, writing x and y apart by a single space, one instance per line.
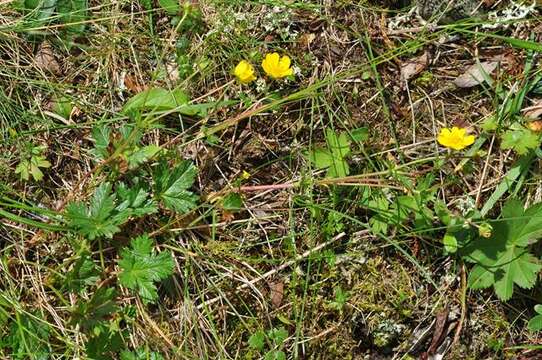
533 115
277 293
133 85
45 59
414 66
306 40
533 112
475 74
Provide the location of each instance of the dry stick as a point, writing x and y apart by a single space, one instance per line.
277 269
463 306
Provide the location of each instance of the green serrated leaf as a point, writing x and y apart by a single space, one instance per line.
257 340
105 343
480 278
141 268
23 170
146 4
332 158
275 355
142 155
321 158
503 259
360 134
136 200
339 145
521 140
101 135
171 186
378 222
62 106
107 211
41 11
97 219
278 335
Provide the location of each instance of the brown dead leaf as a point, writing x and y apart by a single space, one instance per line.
414 66
533 112
535 126
45 59
306 40
277 293
132 84
227 216
439 333
475 74
172 70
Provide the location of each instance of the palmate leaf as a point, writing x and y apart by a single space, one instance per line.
141 155
135 199
97 219
100 136
107 211
504 260
514 266
171 186
141 268
521 140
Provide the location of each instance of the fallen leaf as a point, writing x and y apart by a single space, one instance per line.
535 126
131 84
277 293
533 112
172 70
414 66
45 59
228 216
475 74
305 40
440 330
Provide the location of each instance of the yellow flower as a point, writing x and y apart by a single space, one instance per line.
245 175
244 72
277 67
455 138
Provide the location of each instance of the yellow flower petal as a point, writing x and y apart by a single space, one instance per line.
284 63
244 72
277 67
469 140
455 138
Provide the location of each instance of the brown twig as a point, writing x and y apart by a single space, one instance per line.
463 305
